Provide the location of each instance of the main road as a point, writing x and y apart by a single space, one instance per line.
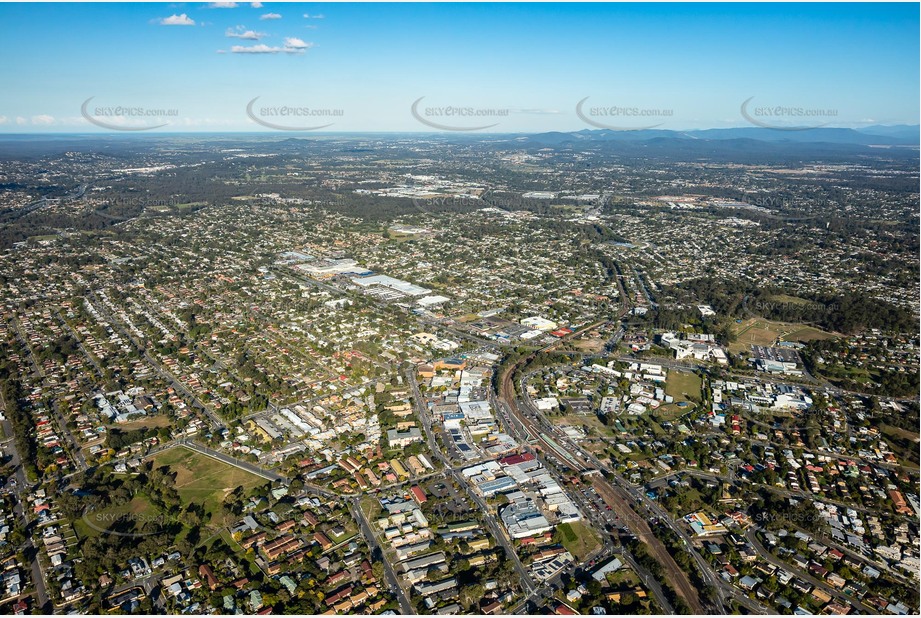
103 311
22 486
752 537
490 520
72 445
405 606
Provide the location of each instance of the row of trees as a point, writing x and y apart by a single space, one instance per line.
646 560
21 421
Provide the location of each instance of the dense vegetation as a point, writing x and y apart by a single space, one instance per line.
838 312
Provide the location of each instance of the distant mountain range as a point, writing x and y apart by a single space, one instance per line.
875 135
905 131
878 135
744 145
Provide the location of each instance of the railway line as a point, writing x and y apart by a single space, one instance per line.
617 498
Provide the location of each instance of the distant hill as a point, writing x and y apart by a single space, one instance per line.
896 135
747 145
902 131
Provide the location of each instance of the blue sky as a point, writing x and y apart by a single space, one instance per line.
680 66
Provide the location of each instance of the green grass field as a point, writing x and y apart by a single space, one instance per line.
786 298
578 539
758 331
203 480
683 385
146 422
584 420
623 579
671 411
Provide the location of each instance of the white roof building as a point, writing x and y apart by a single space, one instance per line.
539 323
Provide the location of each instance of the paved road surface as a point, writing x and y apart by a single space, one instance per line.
38 579
376 550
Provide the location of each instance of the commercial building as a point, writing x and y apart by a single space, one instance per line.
399 439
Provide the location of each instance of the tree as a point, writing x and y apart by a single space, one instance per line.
470 595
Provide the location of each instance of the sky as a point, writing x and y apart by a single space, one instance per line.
512 67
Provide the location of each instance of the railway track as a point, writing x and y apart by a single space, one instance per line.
615 497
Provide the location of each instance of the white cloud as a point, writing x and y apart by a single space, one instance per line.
242 33
263 49
309 16
254 49
20 120
177 20
3 119
292 45
43 119
256 5
222 5
270 16
296 43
